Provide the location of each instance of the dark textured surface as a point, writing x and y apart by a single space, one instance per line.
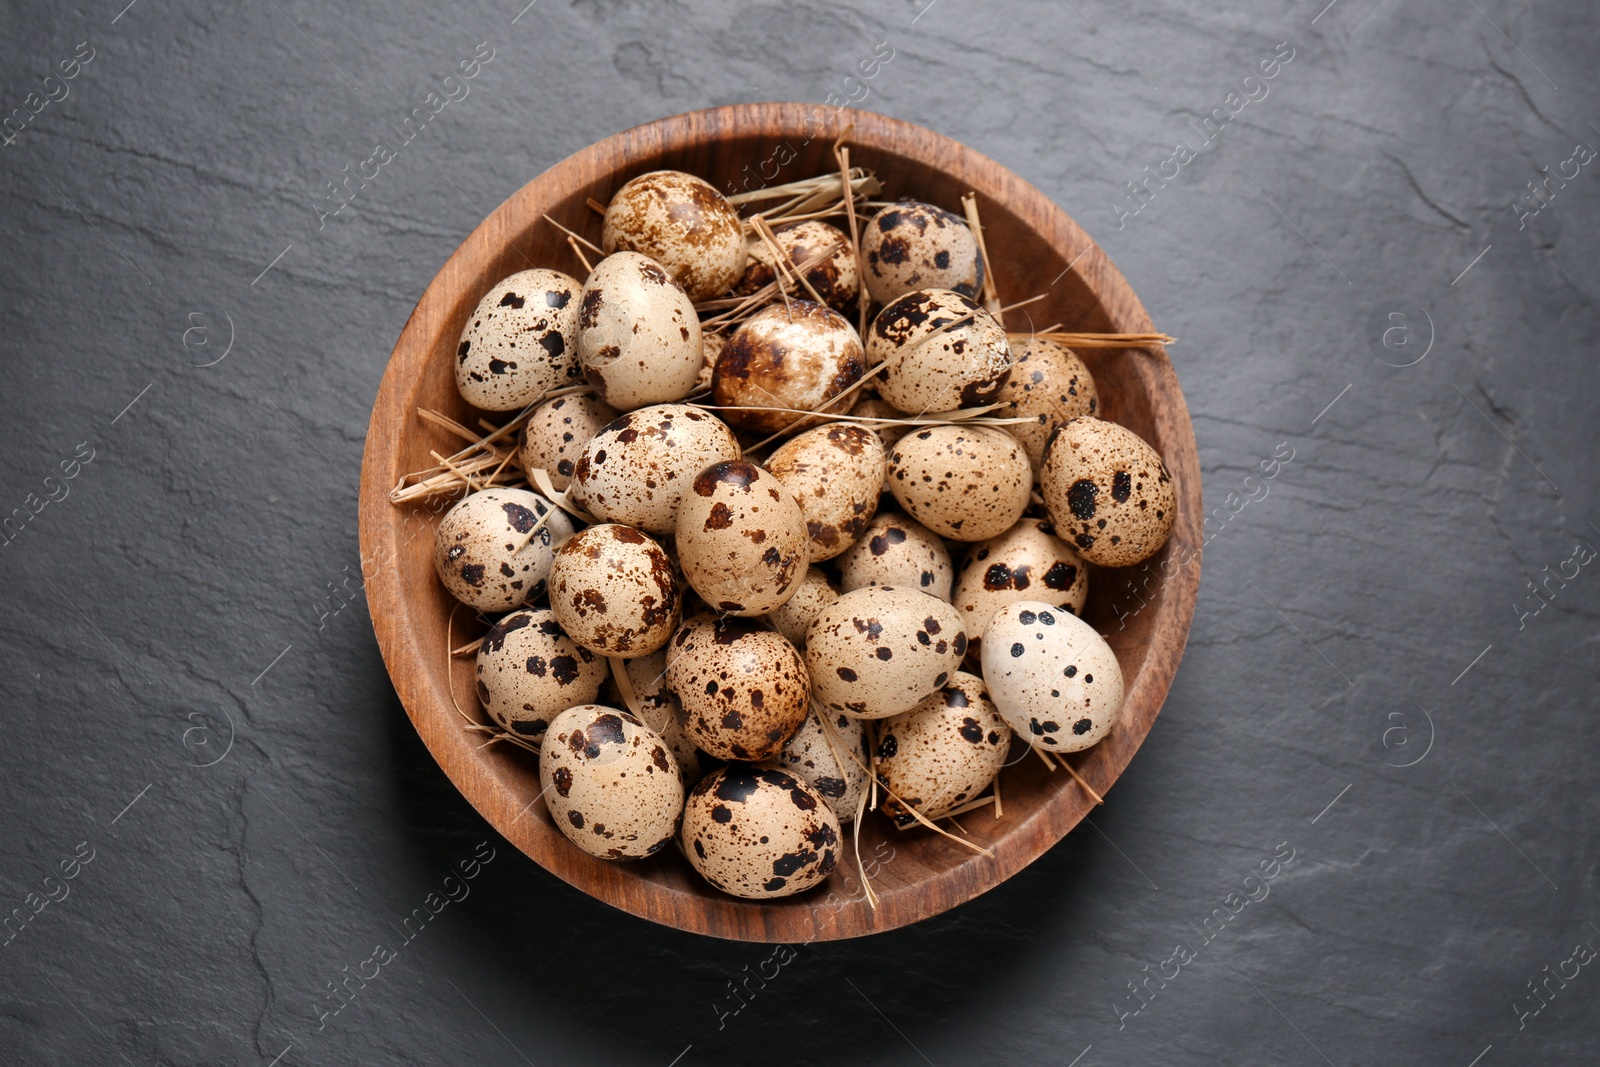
213 534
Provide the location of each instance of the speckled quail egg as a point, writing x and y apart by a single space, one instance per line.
638 334
558 430
683 223
835 473
1108 492
871 408
832 273
610 783
530 671
521 342
1048 384
1053 678
742 539
967 483
1027 562
486 552
911 245
710 348
943 352
637 469
897 551
613 591
943 752
796 356
794 616
821 753
757 831
878 651
743 688
659 709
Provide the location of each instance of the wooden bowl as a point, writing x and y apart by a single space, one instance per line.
1144 612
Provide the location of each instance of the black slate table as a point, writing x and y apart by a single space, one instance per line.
215 809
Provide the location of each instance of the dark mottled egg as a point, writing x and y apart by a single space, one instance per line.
943 752
659 709
530 671
556 432
612 589
638 334
638 467
610 783
742 539
967 483
797 356
757 831
487 553
794 616
683 223
743 689
832 274
1108 492
897 551
1050 385
911 245
1052 677
832 757
878 651
835 473
1027 562
521 341
943 351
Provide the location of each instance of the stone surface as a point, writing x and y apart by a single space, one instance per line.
202 568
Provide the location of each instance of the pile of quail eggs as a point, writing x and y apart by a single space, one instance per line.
719 644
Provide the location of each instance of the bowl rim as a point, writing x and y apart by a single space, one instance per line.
427 699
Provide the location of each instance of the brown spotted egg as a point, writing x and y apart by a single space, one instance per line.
967 483
879 651
1108 492
521 342
872 408
743 689
742 539
911 245
831 756
943 752
832 258
797 356
835 473
943 351
637 469
613 591
638 334
897 551
1027 562
683 223
757 831
530 671
487 552
659 709
610 783
1053 678
558 430
1050 385
794 616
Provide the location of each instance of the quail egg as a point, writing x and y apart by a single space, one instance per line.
487 553
1053 678
659 709
759 832
832 273
558 430
796 357
710 348
530 671
742 539
835 473
831 756
943 752
1048 384
879 651
637 469
967 483
521 342
911 245
612 589
794 616
1027 562
943 351
897 551
743 689
683 223
610 783
1108 492
638 334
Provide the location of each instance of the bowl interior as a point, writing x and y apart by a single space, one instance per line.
1144 611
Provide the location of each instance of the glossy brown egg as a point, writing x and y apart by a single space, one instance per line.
683 223
828 251
796 357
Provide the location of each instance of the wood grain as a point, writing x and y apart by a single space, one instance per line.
1145 614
